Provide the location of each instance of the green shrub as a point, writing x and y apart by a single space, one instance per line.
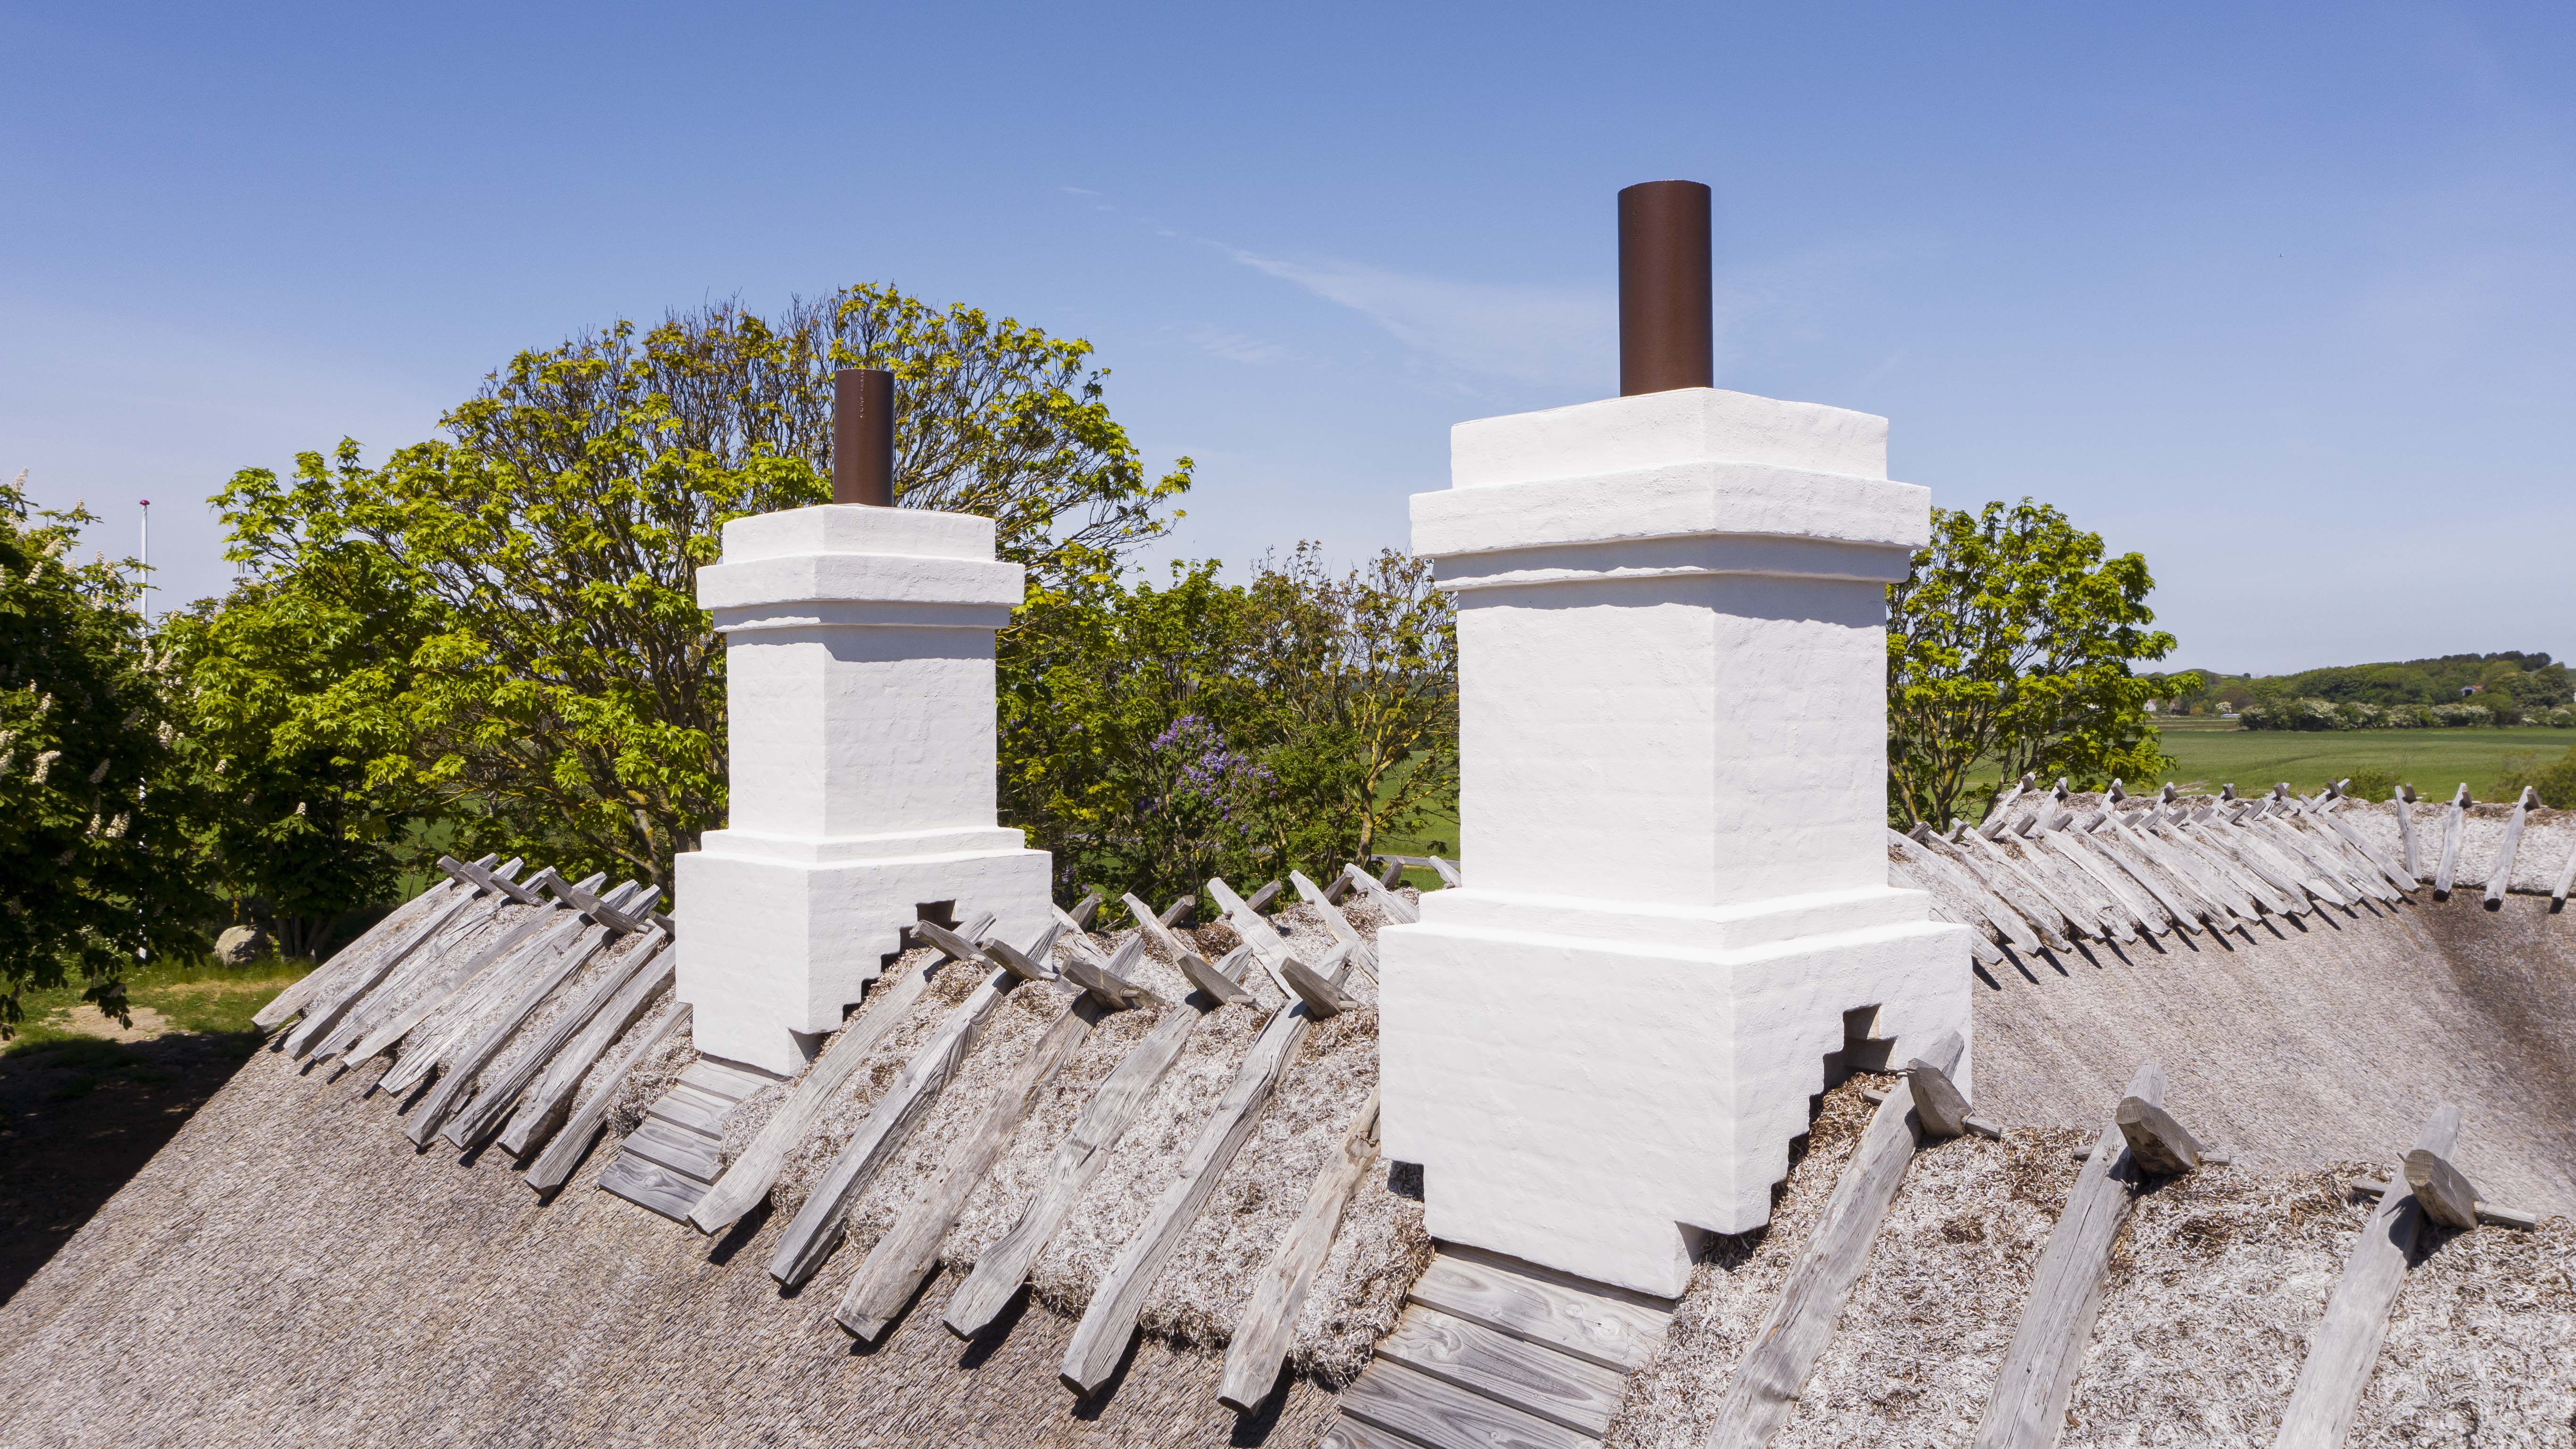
2556 781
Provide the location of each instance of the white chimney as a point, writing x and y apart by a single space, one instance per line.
1672 663
859 664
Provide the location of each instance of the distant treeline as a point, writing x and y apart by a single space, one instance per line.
2509 687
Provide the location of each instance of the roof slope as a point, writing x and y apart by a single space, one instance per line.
290 1267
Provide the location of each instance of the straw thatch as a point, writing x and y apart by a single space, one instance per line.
2214 1285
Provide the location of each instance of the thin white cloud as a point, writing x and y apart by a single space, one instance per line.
1077 190
1235 346
1528 333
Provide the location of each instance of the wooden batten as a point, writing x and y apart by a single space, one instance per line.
545 1104
1997 912
909 1252
2454 825
1268 946
1260 1342
378 1029
1800 1322
1381 894
554 1165
1003 1267
1100 1339
1218 981
460 1074
1317 986
353 958
2027 1407
323 1015
1362 955
2345 1346
467 988
2500 876
816 1230
486 1114
1080 916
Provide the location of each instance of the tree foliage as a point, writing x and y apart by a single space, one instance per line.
565 695
95 805
1153 737
2012 643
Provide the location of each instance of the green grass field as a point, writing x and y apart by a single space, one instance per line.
2435 762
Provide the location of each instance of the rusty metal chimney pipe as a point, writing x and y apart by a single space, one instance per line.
863 436
1665 332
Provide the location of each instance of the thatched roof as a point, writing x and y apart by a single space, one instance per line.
291 1267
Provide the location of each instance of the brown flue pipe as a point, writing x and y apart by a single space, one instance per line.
863 436
1665 332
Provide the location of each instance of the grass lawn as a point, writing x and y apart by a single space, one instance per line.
2216 752
79 1113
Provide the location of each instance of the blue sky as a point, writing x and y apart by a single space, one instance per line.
2280 297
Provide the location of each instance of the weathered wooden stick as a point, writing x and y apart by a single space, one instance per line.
1361 954
1395 908
1262 898
2264 838
485 1116
494 880
2368 869
1317 989
1260 1341
570 1145
625 914
463 1002
1801 1320
433 966
2119 921
826 1211
2078 919
505 958
1003 1267
1106 987
1938 1103
1449 872
2404 800
2321 860
2500 878
2566 881
2345 1347
354 957
1009 962
1984 861
2396 874
1989 905
2116 847
2155 1139
1218 981
460 1074
1150 927
2454 824
322 1016
2230 903
1393 873
1082 913
1100 1340
909 1251
2027 1409
1268 946
2232 846
502 983
543 1108
752 1174
2488 1214
1335 889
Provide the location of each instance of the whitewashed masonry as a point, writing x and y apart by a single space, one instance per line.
859 661
1672 667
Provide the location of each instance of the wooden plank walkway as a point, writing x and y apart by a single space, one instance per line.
1494 1353
674 1157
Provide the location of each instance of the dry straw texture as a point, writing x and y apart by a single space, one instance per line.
288 1270
2213 1287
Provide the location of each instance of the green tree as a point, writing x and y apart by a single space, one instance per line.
298 737
1121 709
2014 642
95 807
565 698
1360 677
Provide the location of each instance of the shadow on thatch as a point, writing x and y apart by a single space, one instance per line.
78 1117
